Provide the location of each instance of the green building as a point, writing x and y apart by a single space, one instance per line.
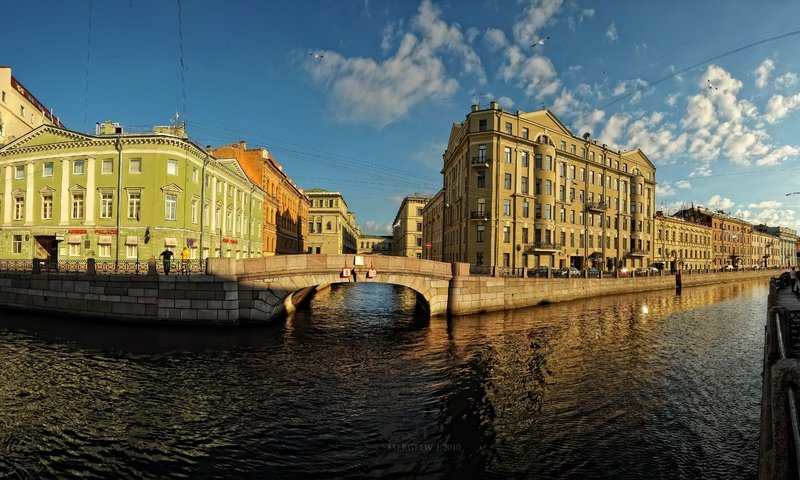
112 196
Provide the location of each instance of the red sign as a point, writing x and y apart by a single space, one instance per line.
230 240
112 231
77 231
428 245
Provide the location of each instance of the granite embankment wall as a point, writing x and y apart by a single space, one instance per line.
471 294
202 299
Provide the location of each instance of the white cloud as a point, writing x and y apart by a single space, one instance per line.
779 107
640 48
786 80
699 113
535 74
664 189
611 33
505 102
701 171
495 39
377 228
537 15
565 103
672 99
683 185
575 19
763 71
765 204
613 130
778 155
587 123
719 203
366 91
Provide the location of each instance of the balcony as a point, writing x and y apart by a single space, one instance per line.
480 161
543 247
597 207
479 215
638 253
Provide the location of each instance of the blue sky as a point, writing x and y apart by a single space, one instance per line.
709 90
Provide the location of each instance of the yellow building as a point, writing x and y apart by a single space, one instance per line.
766 251
522 191
432 224
682 245
407 227
730 236
285 205
375 245
332 226
20 111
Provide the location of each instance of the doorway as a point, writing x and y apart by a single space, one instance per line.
46 247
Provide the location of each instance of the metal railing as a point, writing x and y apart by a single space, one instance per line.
790 393
103 267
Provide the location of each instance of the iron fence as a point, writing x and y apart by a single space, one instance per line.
103 267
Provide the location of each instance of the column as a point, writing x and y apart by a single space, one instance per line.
29 193
235 215
7 196
213 210
64 193
224 216
90 193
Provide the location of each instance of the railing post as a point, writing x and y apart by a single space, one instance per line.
37 267
151 267
91 267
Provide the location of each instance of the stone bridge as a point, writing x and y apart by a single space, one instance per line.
268 287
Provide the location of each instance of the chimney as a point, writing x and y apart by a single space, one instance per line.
494 105
475 108
242 145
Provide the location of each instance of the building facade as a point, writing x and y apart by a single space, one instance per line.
731 242
407 227
523 191
285 206
787 242
375 245
432 226
332 226
116 196
20 111
682 245
765 251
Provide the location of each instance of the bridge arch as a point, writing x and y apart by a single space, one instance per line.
269 287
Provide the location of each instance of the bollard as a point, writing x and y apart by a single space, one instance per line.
91 266
151 267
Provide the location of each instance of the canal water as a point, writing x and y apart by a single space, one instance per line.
647 385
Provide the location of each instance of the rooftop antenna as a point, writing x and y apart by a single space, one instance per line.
479 98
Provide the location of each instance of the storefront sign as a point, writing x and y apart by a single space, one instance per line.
106 232
77 231
230 240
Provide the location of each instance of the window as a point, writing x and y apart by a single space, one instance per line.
77 167
194 210
479 258
135 165
524 234
16 244
548 187
524 184
19 172
106 204
134 204
104 250
507 151
508 128
170 206
132 251
482 125
19 208
47 207
507 182
74 249
538 210
107 166
419 226
482 152
172 167
195 175
525 159
525 132
537 159
548 212
77 204
481 181
506 259
563 145
47 169
572 149
479 234
525 209
506 234
548 163
506 207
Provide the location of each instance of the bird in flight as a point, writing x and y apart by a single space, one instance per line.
540 41
711 85
316 55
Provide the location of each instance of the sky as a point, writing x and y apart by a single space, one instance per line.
359 96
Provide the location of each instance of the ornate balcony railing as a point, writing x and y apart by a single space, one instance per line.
596 206
638 253
103 267
542 246
479 215
480 161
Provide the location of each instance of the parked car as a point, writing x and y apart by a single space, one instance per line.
540 272
641 272
567 272
593 273
624 272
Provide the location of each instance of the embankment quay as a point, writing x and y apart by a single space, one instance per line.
779 455
258 290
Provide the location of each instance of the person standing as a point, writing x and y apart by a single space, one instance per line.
167 256
185 260
792 278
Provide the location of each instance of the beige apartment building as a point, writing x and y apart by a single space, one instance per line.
787 245
730 236
285 204
20 111
432 226
520 190
765 251
332 226
375 245
681 244
407 227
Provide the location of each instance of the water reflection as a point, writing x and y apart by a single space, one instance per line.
360 384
